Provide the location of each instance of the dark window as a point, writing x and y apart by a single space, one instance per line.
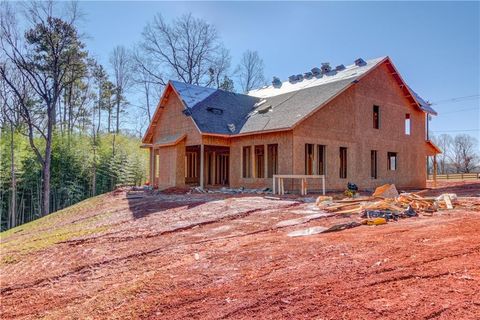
373 164
247 162
343 162
407 124
272 161
260 161
392 161
309 158
376 117
191 167
321 160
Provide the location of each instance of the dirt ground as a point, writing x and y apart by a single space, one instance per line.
215 256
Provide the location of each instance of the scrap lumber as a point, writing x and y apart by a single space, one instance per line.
388 191
448 202
399 204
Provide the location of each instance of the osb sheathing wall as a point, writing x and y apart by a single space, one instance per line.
284 139
173 121
172 167
347 121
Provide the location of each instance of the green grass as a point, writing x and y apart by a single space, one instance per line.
44 232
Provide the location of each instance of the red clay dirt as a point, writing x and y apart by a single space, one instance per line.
214 256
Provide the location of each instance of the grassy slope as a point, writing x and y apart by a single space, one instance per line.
63 225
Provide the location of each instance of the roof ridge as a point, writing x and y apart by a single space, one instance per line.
287 86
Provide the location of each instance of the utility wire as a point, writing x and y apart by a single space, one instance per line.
469 130
460 110
457 99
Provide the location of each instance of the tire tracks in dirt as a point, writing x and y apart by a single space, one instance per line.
82 268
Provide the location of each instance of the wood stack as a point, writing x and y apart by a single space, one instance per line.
398 204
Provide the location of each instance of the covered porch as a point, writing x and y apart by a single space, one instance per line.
174 164
432 151
207 165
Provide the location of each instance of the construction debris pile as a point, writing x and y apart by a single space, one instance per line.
386 203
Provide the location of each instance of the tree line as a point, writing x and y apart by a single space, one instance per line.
459 153
64 132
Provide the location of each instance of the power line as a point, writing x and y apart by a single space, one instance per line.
467 130
460 110
457 99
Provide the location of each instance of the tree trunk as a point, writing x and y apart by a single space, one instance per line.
147 96
118 112
99 118
13 204
94 183
109 116
47 163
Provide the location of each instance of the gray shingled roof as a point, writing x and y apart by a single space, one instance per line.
222 112
289 108
229 108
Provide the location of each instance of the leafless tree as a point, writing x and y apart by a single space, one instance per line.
121 65
188 49
444 142
9 117
148 84
49 51
250 71
463 156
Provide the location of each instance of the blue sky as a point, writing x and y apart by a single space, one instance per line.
435 45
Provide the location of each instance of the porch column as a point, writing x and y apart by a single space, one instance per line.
202 164
214 173
434 170
253 165
152 163
265 160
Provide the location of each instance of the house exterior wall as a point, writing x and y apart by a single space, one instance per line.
347 121
173 121
284 139
171 171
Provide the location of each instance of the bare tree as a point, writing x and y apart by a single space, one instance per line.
444 142
148 84
463 155
9 117
250 71
121 65
50 50
188 50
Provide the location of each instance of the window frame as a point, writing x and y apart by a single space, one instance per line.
259 161
376 116
343 172
322 159
374 164
408 124
390 156
272 159
247 162
309 158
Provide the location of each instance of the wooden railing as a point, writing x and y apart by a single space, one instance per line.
456 176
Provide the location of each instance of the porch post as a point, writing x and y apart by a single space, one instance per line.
265 160
214 173
434 170
202 164
152 163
